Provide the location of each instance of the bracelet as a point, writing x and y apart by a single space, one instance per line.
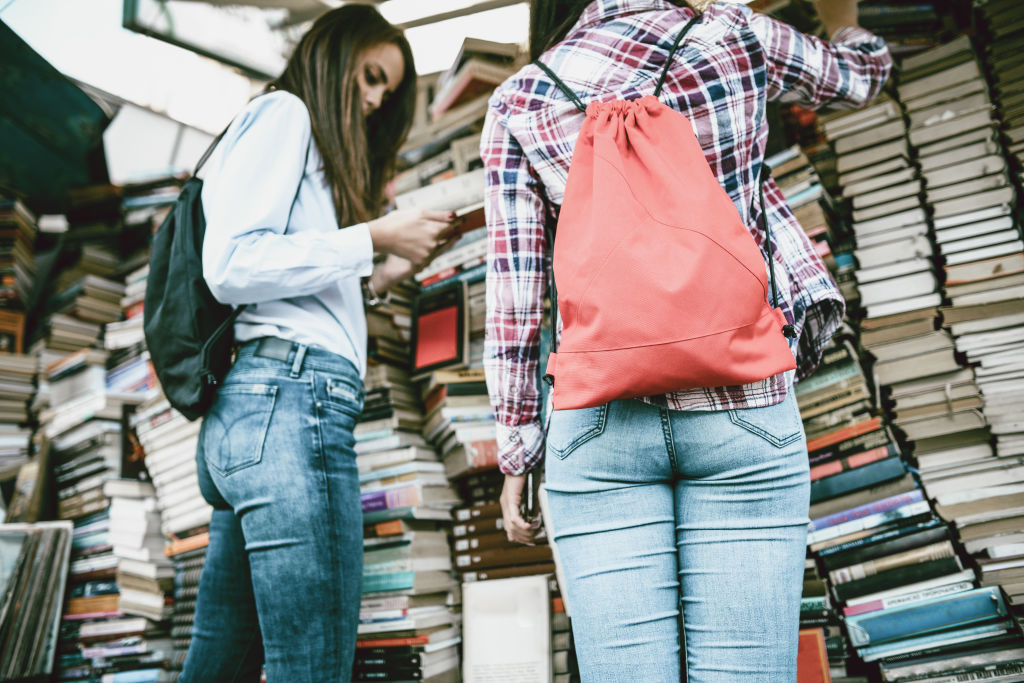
370 296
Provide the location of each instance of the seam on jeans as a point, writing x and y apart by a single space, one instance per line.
666 430
332 545
758 430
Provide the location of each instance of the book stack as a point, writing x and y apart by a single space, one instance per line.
17 387
800 184
128 333
999 35
408 628
169 442
906 27
134 594
564 666
144 574
35 560
17 260
483 551
452 105
188 558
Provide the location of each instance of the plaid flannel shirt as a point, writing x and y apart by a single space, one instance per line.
728 66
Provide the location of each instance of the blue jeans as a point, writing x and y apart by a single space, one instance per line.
283 572
681 526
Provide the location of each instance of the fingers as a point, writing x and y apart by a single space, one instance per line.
517 529
441 216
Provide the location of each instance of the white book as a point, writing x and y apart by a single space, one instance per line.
959 232
979 241
940 81
507 627
872 155
970 121
888 194
973 187
953 456
873 170
936 54
973 216
915 284
931 341
878 182
889 130
944 111
970 342
897 250
984 252
891 270
904 305
990 296
1005 475
910 588
881 210
965 170
958 149
450 194
962 89
1003 196
891 222
880 111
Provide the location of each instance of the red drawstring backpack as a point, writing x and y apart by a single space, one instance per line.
660 284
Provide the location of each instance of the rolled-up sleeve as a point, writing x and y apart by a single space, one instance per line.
848 72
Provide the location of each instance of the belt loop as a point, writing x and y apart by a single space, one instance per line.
300 354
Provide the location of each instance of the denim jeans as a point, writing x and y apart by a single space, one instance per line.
283 571
681 527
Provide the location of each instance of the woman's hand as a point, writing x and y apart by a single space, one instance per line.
415 235
518 529
395 269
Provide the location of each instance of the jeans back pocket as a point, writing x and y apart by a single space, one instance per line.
569 429
235 429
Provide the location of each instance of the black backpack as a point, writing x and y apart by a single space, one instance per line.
189 333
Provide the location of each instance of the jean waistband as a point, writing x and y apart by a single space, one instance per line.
298 356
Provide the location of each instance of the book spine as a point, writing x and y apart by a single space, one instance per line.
851 462
934 551
869 522
867 509
908 598
911 573
374 583
916 536
501 557
932 615
390 499
862 477
844 433
850 446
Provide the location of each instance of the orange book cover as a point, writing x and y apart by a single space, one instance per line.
844 433
812 660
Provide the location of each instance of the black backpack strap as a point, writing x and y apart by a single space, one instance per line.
766 171
672 54
573 97
209 151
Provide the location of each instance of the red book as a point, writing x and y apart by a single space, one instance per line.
811 659
844 433
852 461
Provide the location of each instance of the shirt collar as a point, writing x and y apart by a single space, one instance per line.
602 11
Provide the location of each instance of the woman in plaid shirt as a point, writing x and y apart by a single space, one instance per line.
679 518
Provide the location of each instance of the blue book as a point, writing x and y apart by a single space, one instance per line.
935 640
920 618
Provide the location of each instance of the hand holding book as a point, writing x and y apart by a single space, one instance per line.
517 508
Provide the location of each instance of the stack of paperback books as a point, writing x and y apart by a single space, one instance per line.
17 387
17 267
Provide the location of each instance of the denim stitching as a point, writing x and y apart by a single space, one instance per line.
758 431
592 430
666 429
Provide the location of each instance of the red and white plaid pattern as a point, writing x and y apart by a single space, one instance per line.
728 66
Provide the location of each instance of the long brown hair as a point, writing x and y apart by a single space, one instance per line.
359 152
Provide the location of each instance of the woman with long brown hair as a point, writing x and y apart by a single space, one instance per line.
290 196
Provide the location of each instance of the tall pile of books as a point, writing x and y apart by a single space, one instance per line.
17 368
408 625
169 442
896 571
